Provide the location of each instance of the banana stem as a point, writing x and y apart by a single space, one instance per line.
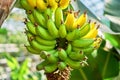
59 75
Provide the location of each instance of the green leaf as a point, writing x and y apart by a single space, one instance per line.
24 67
108 64
113 39
112 12
90 72
12 62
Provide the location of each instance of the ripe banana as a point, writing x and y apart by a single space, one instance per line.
41 5
43 33
50 68
41 47
58 17
76 55
73 64
81 20
52 28
31 27
82 43
45 42
62 54
32 3
32 50
70 19
84 29
39 18
91 34
25 5
62 31
62 65
52 4
92 25
64 3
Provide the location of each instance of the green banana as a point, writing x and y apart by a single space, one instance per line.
30 37
73 64
62 54
82 43
39 18
88 50
31 27
38 46
43 54
73 35
58 17
50 68
62 31
45 42
41 65
43 33
62 65
76 55
52 28
52 58
25 5
30 16
48 14
69 48
84 29
32 50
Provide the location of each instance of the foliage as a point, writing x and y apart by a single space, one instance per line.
21 71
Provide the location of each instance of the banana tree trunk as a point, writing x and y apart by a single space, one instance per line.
5 8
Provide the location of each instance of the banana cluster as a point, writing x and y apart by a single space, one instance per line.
61 40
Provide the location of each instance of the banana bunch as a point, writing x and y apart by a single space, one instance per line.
42 5
59 41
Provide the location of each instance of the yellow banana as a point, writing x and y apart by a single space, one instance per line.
92 33
97 43
69 21
41 5
92 25
52 4
64 3
81 20
32 3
